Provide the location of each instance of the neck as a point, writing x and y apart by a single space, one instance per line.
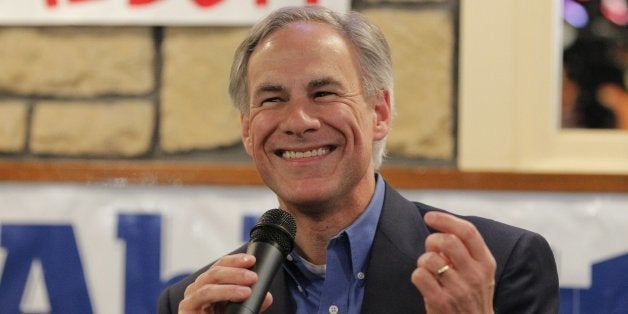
317 224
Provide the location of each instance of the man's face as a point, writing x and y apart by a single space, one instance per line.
309 129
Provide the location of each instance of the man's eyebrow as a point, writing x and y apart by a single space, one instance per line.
268 88
326 81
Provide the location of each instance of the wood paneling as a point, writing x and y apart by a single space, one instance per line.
197 173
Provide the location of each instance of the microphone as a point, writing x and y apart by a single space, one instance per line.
271 240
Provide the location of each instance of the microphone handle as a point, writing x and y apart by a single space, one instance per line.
268 260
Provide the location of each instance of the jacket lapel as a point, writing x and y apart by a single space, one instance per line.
399 240
282 299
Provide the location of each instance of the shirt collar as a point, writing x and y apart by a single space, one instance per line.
361 233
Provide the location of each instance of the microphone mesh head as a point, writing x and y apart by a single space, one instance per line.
277 227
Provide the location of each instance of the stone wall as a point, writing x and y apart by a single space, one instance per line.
161 92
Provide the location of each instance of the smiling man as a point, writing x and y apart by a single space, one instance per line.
314 89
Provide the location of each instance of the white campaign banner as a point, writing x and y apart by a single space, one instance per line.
111 249
67 248
147 12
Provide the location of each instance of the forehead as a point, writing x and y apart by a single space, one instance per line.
302 48
303 32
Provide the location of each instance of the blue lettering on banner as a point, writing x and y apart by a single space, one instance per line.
608 292
248 221
55 247
142 279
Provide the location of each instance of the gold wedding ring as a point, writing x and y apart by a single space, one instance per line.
442 270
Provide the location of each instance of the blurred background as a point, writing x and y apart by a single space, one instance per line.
595 56
121 165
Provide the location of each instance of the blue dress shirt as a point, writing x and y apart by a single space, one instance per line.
338 286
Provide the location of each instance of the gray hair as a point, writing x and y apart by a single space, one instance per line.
371 46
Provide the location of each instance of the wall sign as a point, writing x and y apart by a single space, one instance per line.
147 12
112 249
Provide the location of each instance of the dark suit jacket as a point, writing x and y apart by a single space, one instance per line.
526 277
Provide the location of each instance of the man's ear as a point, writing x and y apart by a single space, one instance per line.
383 115
247 140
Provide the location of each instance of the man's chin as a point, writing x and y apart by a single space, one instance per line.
309 202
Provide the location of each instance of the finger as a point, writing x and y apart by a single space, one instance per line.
241 260
463 229
268 300
230 269
431 261
425 281
450 247
443 271
208 295
218 275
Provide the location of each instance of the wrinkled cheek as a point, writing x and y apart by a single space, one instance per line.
263 124
258 137
259 154
262 156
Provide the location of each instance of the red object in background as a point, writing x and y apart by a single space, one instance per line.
202 3
207 3
53 3
615 11
264 2
140 2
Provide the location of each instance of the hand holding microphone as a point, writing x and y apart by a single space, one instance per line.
271 240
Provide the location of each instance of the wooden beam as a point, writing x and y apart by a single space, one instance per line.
199 173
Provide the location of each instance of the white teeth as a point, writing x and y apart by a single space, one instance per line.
310 153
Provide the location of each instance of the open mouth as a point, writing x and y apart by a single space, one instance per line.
291 154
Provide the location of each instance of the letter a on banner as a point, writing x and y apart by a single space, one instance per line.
54 246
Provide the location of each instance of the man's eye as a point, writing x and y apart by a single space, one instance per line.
271 100
322 94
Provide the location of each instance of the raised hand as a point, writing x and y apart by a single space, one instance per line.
456 274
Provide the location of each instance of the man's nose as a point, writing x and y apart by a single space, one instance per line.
300 118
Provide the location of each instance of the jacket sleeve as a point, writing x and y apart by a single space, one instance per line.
164 306
529 282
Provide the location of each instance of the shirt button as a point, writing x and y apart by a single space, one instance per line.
289 258
333 309
360 275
